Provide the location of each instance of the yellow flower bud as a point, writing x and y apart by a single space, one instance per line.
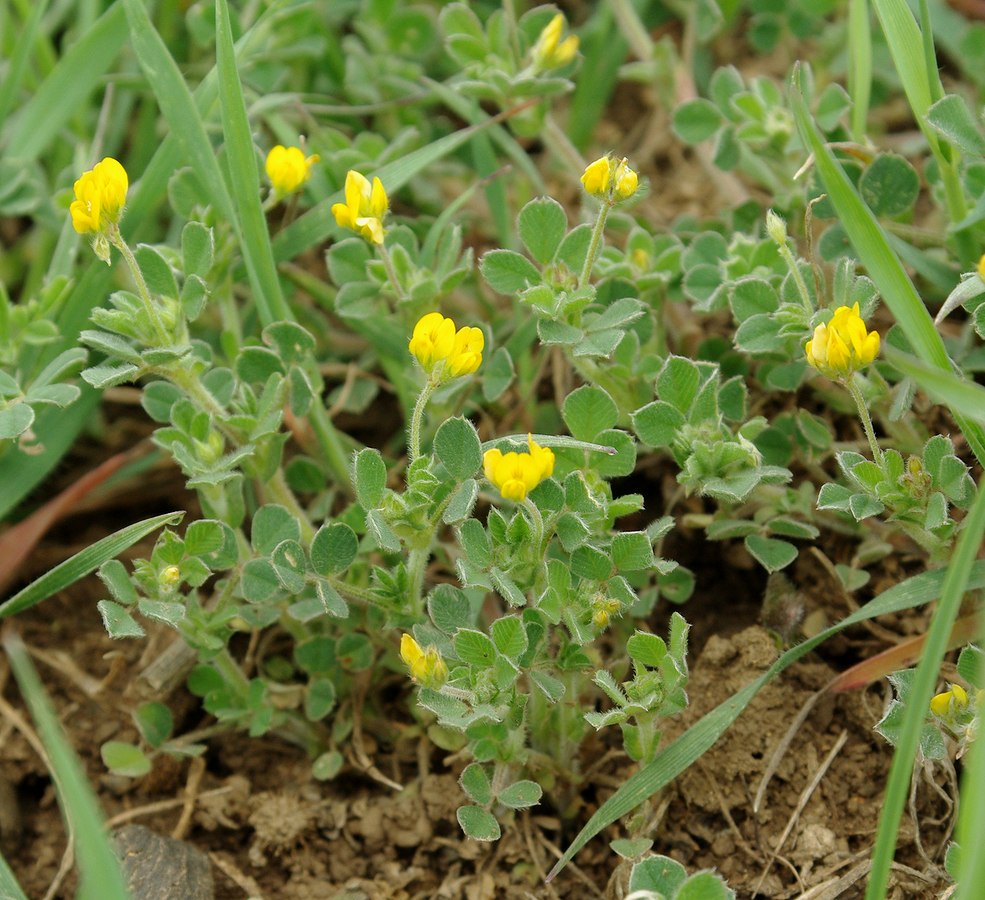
427 667
610 180
981 267
443 352
169 576
596 177
516 474
364 208
288 168
842 346
100 195
946 704
550 52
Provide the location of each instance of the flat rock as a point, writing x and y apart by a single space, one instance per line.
162 868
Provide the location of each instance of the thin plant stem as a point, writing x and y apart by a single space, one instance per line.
593 247
414 442
116 239
798 278
416 563
391 273
863 414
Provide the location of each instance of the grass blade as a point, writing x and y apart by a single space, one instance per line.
676 757
65 91
10 888
84 563
99 869
18 61
241 153
960 395
177 106
859 66
956 583
876 255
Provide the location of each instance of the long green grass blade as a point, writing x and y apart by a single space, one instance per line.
675 758
859 66
177 106
10 888
65 91
83 563
877 256
961 396
971 816
99 870
242 157
18 61
956 583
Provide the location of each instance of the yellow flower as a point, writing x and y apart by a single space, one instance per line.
516 474
842 346
550 52
364 208
100 195
945 705
442 351
981 267
427 667
596 177
288 168
610 181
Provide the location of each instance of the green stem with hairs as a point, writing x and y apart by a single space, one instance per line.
116 239
593 247
391 272
414 442
863 414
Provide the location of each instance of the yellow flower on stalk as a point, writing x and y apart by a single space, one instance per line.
952 701
516 474
550 52
364 208
842 346
288 168
981 267
100 195
443 352
610 180
427 667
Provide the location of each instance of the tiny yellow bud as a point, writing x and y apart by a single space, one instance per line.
842 346
626 181
427 667
516 474
596 177
550 52
364 207
288 168
170 576
100 195
981 267
776 228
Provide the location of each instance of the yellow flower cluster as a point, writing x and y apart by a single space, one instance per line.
443 352
610 180
427 667
842 346
99 197
516 474
948 703
288 168
550 52
981 267
364 208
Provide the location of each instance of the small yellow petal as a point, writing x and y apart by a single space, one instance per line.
596 177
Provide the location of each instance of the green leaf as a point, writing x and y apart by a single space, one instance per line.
520 795
461 503
156 271
475 782
571 531
705 886
657 423
84 563
587 411
542 224
197 247
771 553
449 608
550 686
272 524
114 575
319 699
457 447
890 186
647 649
288 561
333 548
328 765
370 478
124 759
507 272
117 620
259 581
696 120
15 420
154 722
497 374
509 636
952 119
632 551
753 296
478 824
474 648
659 874
588 562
